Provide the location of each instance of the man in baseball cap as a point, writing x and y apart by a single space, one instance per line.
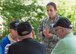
67 42
11 37
27 45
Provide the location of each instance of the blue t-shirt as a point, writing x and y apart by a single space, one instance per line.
4 42
0 50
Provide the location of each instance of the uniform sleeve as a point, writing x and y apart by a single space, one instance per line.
40 36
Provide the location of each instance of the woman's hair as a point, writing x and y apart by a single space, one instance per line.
52 4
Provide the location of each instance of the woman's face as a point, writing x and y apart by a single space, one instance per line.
51 11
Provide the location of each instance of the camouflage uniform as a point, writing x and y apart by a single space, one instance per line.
48 42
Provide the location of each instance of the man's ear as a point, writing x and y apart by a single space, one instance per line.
33 33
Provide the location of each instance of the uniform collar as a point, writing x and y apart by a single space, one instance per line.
53 21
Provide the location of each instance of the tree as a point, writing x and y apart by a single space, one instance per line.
33 12
18 10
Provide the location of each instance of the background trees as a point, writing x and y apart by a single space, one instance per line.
32 11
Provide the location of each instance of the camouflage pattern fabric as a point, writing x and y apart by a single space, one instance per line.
48 42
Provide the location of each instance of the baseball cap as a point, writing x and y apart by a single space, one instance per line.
24 28
14 24
63 22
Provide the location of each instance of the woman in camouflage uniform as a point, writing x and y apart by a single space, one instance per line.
46 31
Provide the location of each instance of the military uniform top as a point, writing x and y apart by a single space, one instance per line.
48 42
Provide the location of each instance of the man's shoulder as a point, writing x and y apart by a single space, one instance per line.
14 45
5 39
41 45
27 44
68 41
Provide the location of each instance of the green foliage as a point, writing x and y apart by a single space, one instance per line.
33 12
69 11
18 10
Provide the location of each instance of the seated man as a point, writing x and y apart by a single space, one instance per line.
67 43
27 45
11 37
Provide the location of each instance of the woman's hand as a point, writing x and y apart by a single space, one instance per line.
46 33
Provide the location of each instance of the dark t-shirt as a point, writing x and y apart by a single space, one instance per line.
26 46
